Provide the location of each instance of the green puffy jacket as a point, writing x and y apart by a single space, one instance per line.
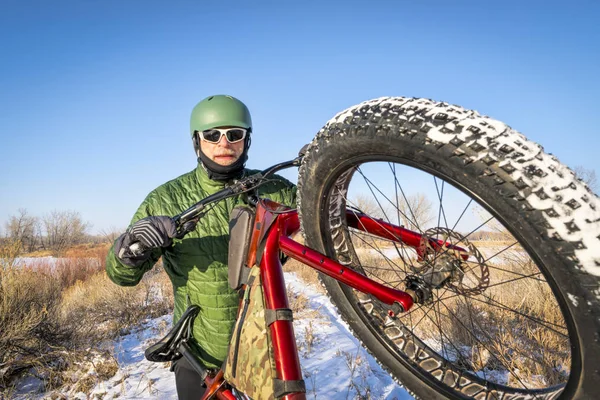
197 264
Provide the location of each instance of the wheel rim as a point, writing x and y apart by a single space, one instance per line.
499 333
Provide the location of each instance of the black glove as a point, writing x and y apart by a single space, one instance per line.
146 234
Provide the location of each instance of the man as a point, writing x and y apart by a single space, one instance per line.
221 127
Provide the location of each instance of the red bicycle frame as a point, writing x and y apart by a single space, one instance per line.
273 226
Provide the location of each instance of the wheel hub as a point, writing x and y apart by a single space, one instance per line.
444 267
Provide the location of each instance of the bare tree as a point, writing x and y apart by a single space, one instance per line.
415 211
588 176
368 205
63 229
492 228
111 234
23 228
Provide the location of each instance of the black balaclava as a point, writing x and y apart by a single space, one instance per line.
218 172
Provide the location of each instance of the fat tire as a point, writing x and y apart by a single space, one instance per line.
541 202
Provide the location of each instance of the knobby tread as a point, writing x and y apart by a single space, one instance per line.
558 207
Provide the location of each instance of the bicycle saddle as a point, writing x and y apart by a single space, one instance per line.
167 349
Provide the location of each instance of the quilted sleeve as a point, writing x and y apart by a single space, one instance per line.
280 190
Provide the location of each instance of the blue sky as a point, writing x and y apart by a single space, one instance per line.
95 96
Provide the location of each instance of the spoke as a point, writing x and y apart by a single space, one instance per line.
396 197
500 252
539 321
461 357
478 348
426 312
441 212
439 325
474 264
532 276
370 185
385 229
484 333
433 302
396 186
494 303
516 349
463 213
393 168
379 268
387 259
514 280
461 238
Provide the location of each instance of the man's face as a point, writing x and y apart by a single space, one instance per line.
223 152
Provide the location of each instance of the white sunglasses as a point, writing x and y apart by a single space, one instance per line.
233 135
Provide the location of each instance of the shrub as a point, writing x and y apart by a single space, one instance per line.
97 303
30 328
56 314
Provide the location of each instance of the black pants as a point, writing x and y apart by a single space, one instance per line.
189 384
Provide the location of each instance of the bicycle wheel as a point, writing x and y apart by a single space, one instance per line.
514 312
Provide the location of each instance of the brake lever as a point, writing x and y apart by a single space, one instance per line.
183 228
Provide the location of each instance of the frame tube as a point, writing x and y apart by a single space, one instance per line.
282 332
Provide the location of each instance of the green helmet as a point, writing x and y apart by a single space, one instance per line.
219 110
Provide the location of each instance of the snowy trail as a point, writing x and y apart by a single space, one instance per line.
334 364
337 358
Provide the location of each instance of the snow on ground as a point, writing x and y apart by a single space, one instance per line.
337 366
334 364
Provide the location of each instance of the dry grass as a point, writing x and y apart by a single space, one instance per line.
298 301
99 302
55 316
359 373
9 251
83 375
85 384
39 253
493 243
306 273
363 240
497 330
30 326
309 336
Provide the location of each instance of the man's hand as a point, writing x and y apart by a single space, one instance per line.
151 233
154 232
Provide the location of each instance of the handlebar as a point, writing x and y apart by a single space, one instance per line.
242 186
186 221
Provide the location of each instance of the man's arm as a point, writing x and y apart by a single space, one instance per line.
280 190
124 275
291 196
287 192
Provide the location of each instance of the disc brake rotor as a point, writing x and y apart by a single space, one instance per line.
469 277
